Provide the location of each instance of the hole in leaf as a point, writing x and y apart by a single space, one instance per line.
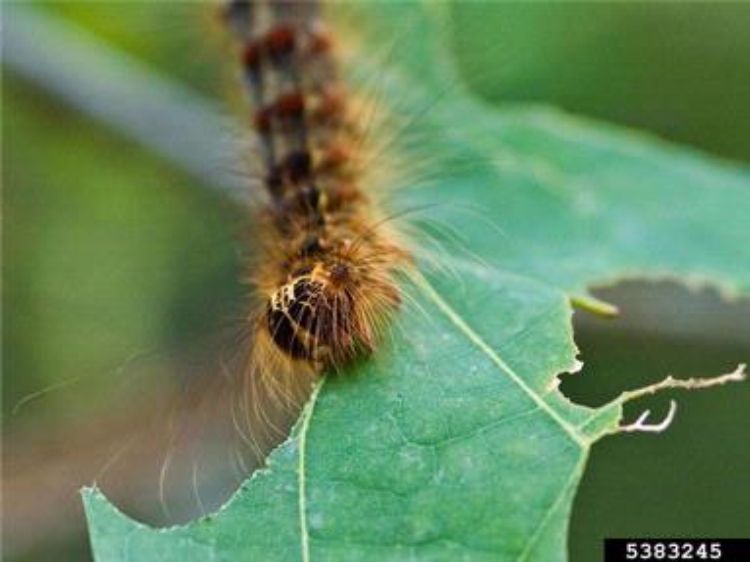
691 480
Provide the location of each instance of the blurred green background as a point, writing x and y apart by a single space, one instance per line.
121 272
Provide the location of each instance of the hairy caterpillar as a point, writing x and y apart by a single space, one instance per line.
327 268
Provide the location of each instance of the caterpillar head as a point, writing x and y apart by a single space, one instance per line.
329 313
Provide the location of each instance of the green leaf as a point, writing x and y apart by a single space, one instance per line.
453 442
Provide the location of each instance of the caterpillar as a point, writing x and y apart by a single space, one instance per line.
327 267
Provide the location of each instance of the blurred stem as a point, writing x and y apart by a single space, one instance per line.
113 87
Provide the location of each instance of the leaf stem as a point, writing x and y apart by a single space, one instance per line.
594 305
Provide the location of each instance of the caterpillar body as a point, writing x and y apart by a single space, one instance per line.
327 268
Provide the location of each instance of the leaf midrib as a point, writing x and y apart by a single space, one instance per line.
302 475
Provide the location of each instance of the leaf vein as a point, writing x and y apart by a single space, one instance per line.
551 510
301 475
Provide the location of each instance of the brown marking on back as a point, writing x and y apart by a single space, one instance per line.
321 42
333 158
330 104
251 56
290 105
262 119
280 41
